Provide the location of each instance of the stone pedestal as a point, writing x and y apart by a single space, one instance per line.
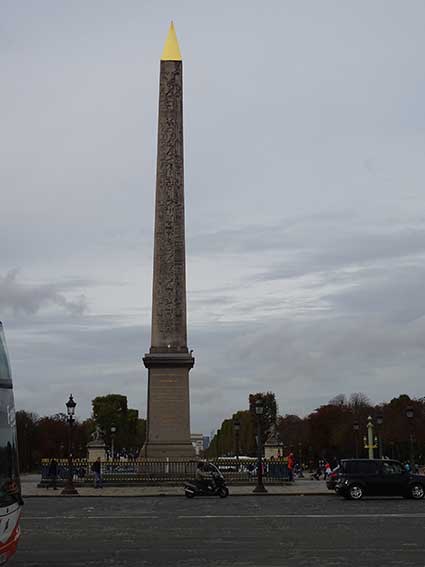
273 447
168 433
96 449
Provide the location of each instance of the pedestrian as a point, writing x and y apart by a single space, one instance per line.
328 470
317 472
52 473
291 464
97 469
298 471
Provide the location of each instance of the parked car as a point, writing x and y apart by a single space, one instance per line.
373 477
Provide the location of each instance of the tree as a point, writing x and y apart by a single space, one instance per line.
52 437
293 431
26 427
269 415
339 400
358 400
112 410
223 444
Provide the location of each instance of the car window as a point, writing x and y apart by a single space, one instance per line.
368 467
360 467
391 468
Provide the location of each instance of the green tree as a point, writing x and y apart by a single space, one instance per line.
112 410
223 443
269 415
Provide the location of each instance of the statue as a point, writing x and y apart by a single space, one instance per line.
96 447
273 447
97 434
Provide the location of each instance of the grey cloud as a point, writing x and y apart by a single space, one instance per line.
252 238
341 247
89 356
304 360
395 294
19 297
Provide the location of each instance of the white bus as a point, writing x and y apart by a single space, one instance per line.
10 488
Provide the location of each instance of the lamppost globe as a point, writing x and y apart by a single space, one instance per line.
259 407
409 412
113 429
379 419
70 406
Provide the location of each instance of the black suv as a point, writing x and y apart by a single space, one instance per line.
373 477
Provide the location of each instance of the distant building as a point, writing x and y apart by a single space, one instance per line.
197 442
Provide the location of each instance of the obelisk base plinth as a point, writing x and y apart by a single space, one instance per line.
159 451
168 419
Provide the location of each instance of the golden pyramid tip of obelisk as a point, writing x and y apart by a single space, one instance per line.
171 48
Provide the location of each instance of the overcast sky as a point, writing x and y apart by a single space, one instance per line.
304 165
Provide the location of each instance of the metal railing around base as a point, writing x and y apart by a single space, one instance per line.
155 471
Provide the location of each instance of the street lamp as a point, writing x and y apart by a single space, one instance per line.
113 431
236 429
410 414
356 427
69 487
259 408
369 440
379 422
217 448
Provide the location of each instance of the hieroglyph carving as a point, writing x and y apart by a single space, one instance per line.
169 294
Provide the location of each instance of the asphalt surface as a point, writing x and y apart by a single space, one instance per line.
240 531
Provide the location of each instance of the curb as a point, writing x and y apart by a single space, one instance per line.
163 495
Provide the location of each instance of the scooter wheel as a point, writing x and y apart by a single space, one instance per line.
189 494
224 492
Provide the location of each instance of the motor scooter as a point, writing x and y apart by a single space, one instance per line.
215 487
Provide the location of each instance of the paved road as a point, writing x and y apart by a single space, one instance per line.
240 531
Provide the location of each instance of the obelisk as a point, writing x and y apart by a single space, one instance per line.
168 361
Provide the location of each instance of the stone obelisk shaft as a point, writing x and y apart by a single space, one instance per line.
169 273
168 361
